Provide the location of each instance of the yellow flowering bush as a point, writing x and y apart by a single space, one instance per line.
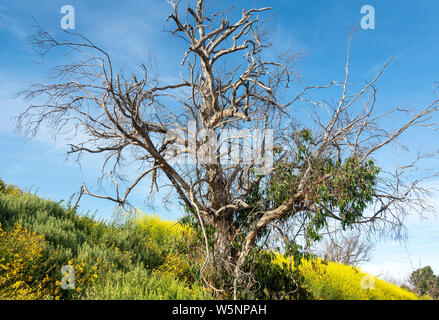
24 270
163 231
335 281
177 243
28 272
84 276
10 189
174 265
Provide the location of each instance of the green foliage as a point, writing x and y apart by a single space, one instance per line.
274 278
425 282
341 187
71 234
141 284
348 191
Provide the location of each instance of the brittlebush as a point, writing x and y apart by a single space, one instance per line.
10 189
24 268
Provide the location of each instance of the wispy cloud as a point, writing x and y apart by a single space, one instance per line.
11 24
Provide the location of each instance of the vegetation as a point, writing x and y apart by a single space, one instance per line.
424 281
111 260
144 257
335 281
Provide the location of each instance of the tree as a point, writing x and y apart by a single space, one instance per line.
299 172
423 281
347 249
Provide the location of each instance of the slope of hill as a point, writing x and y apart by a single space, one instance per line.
134 257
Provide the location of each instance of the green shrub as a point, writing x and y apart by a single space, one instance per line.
141 284
275 277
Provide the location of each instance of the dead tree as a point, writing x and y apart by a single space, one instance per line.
348 249
227 89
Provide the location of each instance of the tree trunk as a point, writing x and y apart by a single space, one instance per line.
223 253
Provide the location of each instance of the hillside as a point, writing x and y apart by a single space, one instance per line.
137 256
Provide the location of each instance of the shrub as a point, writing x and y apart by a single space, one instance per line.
10 189
335 281
167 234
25 267
275 277
141 284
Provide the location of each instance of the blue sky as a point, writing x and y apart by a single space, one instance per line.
133 30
